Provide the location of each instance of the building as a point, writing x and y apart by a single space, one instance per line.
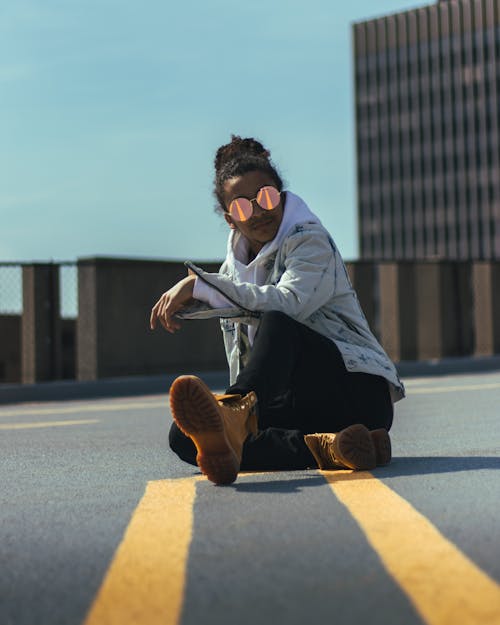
427 91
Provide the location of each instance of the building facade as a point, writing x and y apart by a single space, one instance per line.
427 94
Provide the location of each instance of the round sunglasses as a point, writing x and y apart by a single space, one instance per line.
241 208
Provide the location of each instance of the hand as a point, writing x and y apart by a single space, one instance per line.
170 302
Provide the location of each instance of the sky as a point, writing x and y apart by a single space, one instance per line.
111 112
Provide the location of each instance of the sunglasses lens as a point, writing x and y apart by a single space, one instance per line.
241 209
268 198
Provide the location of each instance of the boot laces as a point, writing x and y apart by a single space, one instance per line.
326 443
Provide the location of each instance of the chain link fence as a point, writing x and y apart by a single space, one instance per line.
11 310
68 290
11 289
11 307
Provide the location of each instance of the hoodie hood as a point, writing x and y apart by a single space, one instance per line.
295 212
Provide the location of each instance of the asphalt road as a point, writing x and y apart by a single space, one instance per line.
100 523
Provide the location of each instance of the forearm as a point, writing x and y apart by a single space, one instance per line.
306 279
296 296
205 293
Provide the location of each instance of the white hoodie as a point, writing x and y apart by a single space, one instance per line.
295 211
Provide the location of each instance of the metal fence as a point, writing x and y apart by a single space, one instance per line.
68 290
19 334
11 288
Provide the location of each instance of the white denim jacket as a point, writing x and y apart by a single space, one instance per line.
305 278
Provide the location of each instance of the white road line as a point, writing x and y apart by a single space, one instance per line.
84 408
45 424
429 390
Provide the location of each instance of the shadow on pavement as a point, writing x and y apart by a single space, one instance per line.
292 485
399 467
268 482
424 465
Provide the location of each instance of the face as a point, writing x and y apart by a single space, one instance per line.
263 225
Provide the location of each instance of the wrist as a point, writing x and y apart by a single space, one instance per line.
189 283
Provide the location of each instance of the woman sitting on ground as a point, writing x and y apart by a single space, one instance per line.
310 386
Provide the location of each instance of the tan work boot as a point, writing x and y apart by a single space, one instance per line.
355 447
217 424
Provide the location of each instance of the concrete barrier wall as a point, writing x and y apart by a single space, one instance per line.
486 308
10 348
41 324
397 309
364 278
444 309
68 348
115 298
419 311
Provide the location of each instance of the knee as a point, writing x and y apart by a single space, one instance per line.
278 319
275 315
275 326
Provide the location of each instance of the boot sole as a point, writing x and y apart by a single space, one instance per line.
196 413
354 448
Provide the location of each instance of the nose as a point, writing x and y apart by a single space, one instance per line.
257 209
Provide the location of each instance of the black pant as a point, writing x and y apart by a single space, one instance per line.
302 386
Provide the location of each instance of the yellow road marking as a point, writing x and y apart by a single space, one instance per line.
44 424
452 389
146 579
93 408
445 586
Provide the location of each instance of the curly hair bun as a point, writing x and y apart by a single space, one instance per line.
239 147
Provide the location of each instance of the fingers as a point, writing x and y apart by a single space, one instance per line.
165 326
167 319
163 311
152 318
170 302
154 314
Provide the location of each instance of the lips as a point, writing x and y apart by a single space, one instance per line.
262 224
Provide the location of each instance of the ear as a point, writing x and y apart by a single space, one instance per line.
229 221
